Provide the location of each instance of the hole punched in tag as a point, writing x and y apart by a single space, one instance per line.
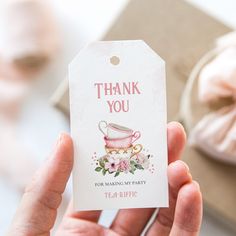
114 60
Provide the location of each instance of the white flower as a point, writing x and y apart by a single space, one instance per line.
112 165
143 160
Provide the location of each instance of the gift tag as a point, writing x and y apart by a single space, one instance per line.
118 126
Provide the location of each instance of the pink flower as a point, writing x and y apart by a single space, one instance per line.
124 165
112 165
143 160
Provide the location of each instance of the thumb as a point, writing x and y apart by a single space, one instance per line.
37 211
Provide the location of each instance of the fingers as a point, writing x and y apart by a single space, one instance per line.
37 211
125 218
92 216
178 175
188 213
72 226
176 139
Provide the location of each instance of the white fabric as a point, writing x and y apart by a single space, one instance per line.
32 36
218 78
215 133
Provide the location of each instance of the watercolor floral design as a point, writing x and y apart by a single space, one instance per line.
116 166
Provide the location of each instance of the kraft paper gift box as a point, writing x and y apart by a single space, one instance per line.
181 34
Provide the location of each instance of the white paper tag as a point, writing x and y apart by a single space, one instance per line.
118 125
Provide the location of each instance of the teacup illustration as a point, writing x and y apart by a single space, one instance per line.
124 152
122 142
117 136
114 131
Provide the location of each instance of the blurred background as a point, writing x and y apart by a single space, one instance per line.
39 38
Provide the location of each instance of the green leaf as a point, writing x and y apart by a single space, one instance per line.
101 163
133 168
138 166
98 169
131 171
132 162
104 171
117 173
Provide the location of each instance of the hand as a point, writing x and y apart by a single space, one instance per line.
37 211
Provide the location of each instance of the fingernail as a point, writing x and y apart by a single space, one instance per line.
182 162
196 184
56 145
59 139
174 124
186 167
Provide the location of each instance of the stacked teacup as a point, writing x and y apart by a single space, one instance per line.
119 139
